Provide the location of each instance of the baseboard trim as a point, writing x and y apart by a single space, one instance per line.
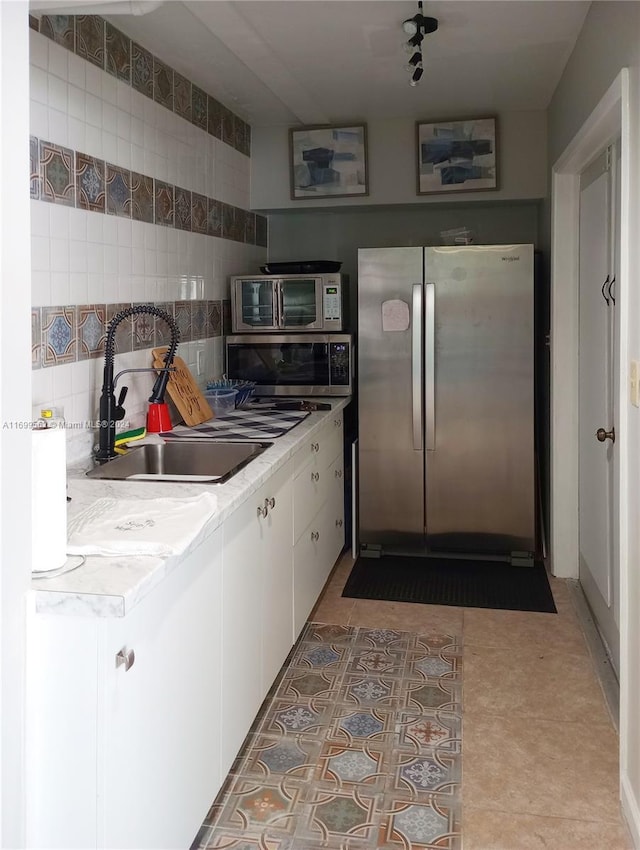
599 654
630 809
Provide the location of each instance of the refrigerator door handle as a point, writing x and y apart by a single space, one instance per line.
430 366
416 366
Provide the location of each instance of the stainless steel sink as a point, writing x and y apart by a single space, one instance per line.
213 462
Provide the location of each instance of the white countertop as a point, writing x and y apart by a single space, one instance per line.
111 587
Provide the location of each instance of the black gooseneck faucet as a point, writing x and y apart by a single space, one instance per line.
112 412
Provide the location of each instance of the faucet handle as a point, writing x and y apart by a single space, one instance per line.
119 411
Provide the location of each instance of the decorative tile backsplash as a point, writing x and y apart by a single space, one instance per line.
100 43
60 175
66 334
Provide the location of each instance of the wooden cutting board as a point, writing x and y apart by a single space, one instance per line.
183 390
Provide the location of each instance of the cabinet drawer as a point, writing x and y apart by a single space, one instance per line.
322 448
310 491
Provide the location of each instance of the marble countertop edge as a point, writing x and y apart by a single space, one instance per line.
113 586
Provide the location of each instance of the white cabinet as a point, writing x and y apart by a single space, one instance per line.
124 718
318 516
257 605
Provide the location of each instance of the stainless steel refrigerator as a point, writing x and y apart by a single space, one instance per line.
446 401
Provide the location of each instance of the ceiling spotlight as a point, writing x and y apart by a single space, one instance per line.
415 77
417 27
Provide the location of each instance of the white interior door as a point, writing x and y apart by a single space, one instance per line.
599 221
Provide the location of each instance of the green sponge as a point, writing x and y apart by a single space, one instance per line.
130 436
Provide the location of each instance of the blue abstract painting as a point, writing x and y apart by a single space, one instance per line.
328 161
457 156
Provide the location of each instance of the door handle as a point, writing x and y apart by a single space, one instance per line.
416 366
610 290
430 367
603 435
604 285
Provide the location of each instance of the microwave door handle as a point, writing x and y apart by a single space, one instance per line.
279 305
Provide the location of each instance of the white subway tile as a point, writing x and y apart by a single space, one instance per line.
39 218
109 115
96 289
60 290
41 288
111 289
109 89
78 288
95 258
78 257
93 107
94 142
42 387
110 147
40 253
110 230
38 50
39 120
94 77
59 222
77 135
95 227
137 159
77 71
124 153
78 224
124 125
124 231
58 127
138 261
124 262
58 61
110 259
80 377
76 103
38 85
57 91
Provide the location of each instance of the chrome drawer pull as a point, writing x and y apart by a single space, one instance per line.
338 523
263 512
270 503
315 535
315 476
315 447
338 473
337 422
126 657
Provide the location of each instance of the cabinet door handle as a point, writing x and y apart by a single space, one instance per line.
270 503
315 535
338 523
315 447
338 473
126 657
337 422
315 476
263 512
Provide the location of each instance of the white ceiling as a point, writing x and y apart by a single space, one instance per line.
331 61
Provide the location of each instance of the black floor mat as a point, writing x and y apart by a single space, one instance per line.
451 581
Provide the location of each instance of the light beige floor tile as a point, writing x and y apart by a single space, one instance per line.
532 683
491 830
483 627
540 767
336 610
407 616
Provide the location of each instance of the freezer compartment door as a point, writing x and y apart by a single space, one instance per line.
480 491
390 399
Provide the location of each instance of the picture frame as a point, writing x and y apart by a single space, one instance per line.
328 161
457 156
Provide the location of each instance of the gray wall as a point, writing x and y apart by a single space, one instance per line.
521 154
338 233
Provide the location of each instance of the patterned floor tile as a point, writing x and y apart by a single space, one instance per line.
308 716
255 805
338 816
328 633
344 768
322 684
421 826
437 642
436 694
367 724
271 756
428 731
427 774
426 667
320 655
371 691
389 662
383 638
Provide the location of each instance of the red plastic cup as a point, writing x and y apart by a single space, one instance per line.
158 418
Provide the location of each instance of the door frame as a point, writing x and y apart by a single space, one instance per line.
611 118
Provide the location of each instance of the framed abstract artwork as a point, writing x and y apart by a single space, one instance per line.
328 161
456 156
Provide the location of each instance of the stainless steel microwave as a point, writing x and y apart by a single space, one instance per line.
291 302
293 364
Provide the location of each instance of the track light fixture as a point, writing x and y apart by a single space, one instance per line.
417 27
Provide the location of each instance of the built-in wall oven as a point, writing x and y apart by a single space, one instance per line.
295 303
293 364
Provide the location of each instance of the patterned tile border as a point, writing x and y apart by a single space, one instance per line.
70 333
320 771
100 43
60 175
